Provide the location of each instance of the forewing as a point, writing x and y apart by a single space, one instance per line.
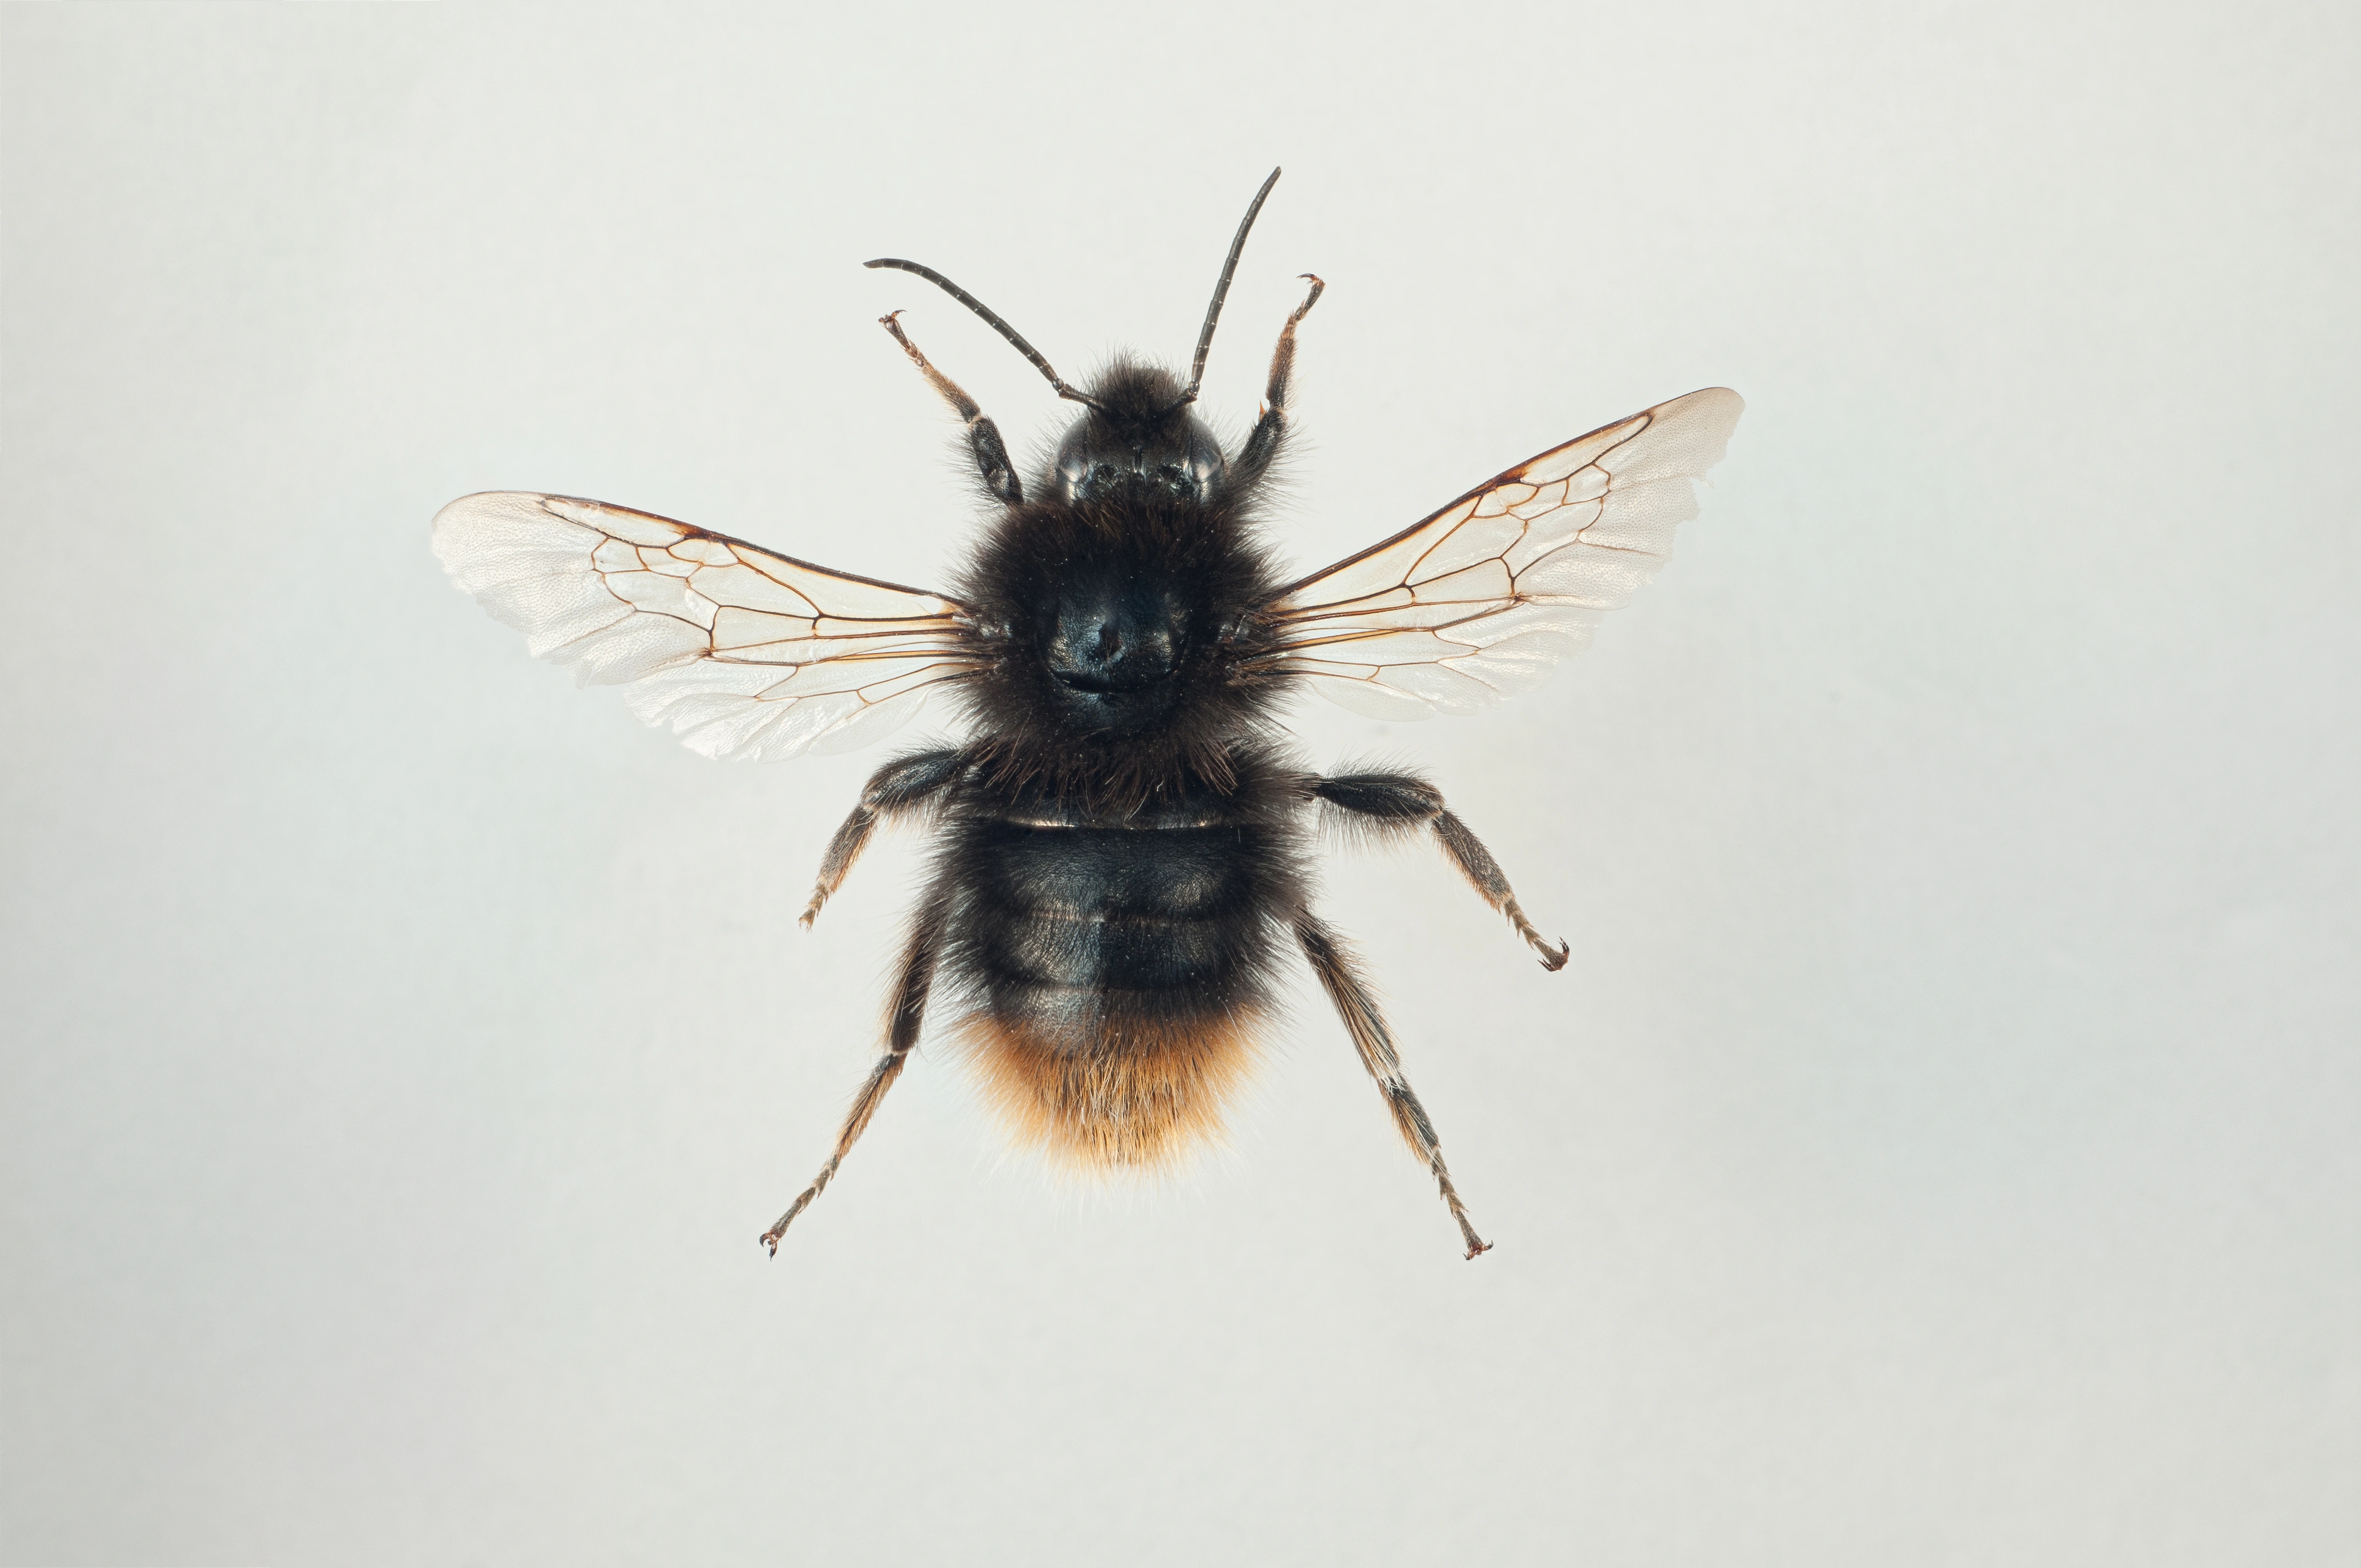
1477 601
742 653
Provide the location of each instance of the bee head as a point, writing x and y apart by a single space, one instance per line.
1141 434
1139 437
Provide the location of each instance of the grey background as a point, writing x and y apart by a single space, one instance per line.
1941 1149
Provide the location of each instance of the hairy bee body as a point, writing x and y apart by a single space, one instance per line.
1113 970
1120 855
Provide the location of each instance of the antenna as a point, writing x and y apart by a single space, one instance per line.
1221 292
1016 339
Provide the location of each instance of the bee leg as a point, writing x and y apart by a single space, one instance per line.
901 1032
1263 439
983 435
901 787
1358 1008
1476 862
1396 801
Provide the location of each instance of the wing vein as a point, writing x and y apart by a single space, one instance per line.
789 657
1628 484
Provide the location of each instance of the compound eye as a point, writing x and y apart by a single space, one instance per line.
1182 459
1207 467
1078 470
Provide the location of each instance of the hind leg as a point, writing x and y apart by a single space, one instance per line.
1358 1008
902 1033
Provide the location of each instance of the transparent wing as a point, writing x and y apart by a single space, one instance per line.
742 653
1476 602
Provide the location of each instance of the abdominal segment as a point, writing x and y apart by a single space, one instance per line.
1123 1091
1113 981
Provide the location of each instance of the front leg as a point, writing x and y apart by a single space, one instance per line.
1263 439
992 463
901 788
1399 802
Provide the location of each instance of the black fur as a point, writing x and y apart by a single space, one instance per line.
1120 861
1081 926
1146 556
1125 844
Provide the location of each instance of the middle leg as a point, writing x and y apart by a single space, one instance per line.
903 786
1393 802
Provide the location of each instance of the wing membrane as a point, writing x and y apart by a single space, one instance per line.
742 653
1477 601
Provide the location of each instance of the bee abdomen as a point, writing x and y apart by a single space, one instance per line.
1117 977
1099 951
1130 1091
1097 909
